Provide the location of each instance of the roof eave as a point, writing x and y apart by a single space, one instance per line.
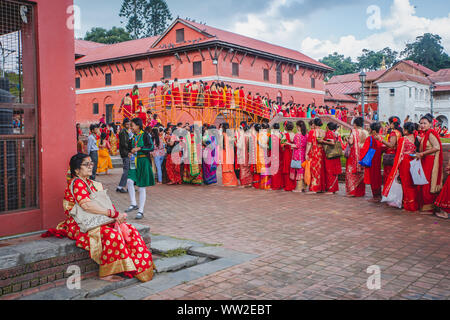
205 45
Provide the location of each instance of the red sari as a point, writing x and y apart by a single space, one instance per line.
289 184
229 178
402 165
317 158
243 159
173 170
354 173
176 95
391 151
443 200
372 175
277 163
106 245
433 169
333 167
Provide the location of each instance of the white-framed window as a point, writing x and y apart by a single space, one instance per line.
392 92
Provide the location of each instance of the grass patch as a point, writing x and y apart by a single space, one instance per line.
174 253
445 140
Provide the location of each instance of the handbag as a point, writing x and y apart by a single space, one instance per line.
388 160
296 164
367 160
395 196
417 173
89 221
334 151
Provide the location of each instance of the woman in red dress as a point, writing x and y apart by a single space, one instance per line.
173 159
299 154
443 201
135 97
194 94
286 142
316 154
395 133
276 159
333 167
243 156
372 175
214 95
117 248
432 162
141 113
402 165
354 172
176 92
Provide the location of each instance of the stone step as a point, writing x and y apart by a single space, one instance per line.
89 288
45 249
165 245
177 263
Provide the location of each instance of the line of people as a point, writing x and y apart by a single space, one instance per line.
298 160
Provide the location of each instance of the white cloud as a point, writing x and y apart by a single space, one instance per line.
270 26
400 27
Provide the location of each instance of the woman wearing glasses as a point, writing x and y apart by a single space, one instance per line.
116 251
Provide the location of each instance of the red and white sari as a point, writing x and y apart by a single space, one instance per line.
433 169
114 251
317 158
401 167
354 178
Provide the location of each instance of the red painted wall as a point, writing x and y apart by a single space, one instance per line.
56 116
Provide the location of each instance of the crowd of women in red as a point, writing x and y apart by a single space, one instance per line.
301 160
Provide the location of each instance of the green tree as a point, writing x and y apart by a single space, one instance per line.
101 35
340 64
158 17
427 51
135 12
371 60
145 18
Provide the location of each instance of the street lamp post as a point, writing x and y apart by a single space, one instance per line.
362 78
431 98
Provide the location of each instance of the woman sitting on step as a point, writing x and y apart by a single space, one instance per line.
116 251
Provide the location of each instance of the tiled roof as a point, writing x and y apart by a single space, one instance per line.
344 87
442 75
354 77
118 50
143 46
83 47
419 67
441 88
340 97
396 75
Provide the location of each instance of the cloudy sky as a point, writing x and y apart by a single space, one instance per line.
314 27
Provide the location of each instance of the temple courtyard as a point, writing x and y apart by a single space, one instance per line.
304 246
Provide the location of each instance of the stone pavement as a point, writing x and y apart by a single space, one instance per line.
308 246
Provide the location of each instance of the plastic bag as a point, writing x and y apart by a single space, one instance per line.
307 166
417 173
395 196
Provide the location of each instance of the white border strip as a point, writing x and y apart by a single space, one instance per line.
206 79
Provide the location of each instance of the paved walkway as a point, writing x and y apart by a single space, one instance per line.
309 246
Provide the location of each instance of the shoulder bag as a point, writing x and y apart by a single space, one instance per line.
89 221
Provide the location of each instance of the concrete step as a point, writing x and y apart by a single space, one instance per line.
177 263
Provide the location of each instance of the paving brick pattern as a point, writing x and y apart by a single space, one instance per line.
308 246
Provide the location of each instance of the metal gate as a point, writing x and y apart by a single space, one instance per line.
18 107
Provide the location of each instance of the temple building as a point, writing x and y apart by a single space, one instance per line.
191 51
